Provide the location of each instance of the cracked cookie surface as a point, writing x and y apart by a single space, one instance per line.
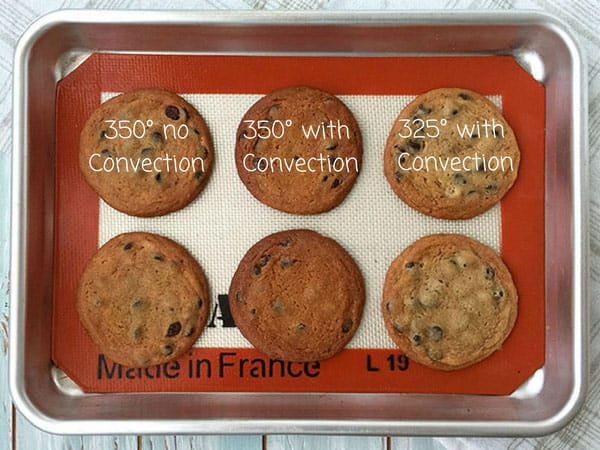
448 301
153 189
143 299
418 165
297 296
295 173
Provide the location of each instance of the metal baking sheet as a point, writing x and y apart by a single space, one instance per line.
57 43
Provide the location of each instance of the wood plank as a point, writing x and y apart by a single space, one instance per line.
5 402
28 437
241 442
416 443
302 442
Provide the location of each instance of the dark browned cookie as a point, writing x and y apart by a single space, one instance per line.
297 296
299 150
146 152
143 299
449 301
451 154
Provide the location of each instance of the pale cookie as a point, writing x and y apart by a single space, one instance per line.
449 301
441 173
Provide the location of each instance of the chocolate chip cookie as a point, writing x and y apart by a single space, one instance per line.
147 152
451 154
297 296
299 150
143 299
449 301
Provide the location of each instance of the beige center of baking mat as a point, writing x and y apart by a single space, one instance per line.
372 224
221 225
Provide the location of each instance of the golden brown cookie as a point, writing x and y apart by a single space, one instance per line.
299 150
146 152
297 296
451 154
143 299
448 301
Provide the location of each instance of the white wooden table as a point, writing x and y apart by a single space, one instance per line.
17 433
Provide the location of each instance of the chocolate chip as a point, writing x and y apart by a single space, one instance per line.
497 294
481 167
409 265
198 174
238 296
459 178
332 159
400 148
475 136
137 303
397 328
203 152
103 134
464 96
491 187
256 270
324 179
277 306
106 153
398 175
159 257
189 331
422 109
157 177
253 311
128 246
434 354
285 243
174 329
472 192
172 112
167 350
137 333
300 327
156 137
199 303
146 151
417 339
402 159
435 333
256 162
336 183
331 146
264 259
347 325
489 273
196 131
415 145
286 262
454 112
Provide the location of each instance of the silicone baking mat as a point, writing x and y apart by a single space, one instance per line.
372 223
